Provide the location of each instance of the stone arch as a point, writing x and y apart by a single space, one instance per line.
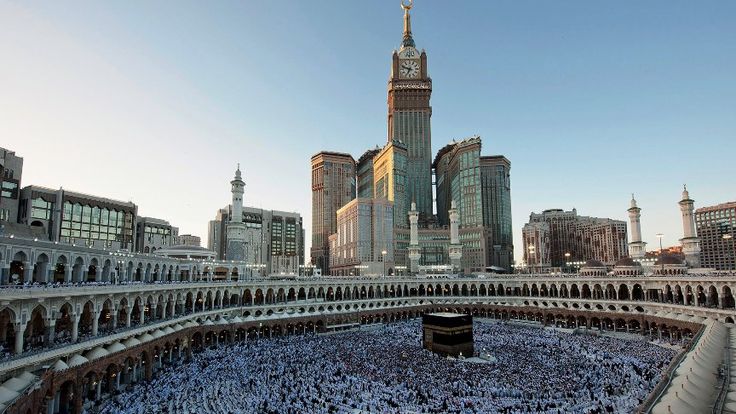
637 293
64 324
728 300
35 334
78 268
17 272
564 292
700 296
106 321
574 291
61 268
712 298
41 268
86 319
123 312
258 297
585 292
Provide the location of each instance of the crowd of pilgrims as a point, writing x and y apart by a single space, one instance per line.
385 370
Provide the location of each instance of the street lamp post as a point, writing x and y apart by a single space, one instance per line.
661 262
567 260
383 255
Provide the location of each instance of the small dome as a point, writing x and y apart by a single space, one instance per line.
77 360
7 395
59 366
157 333
168 330
130 342
28 376
593 263
116 347
146 337
627 261
178 327
16 384
96 353
668 259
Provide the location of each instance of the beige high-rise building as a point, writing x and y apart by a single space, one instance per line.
364 232
555 238
716 226
389 180
333 186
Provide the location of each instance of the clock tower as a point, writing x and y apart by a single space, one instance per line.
409 113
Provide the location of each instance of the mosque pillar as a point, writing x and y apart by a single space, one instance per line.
56 402
78 398
149 369
721 298
95 322
27 272
50 331
67 273
98 390
5 273
127 318
114 317
75 326
20 330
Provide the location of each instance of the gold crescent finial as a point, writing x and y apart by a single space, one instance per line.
407 6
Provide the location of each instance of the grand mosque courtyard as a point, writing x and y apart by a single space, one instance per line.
526 368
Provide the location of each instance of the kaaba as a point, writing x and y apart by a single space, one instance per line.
448 333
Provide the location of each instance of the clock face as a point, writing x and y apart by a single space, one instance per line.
409 68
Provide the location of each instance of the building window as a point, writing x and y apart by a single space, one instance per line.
41 209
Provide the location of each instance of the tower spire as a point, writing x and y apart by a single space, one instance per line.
408 40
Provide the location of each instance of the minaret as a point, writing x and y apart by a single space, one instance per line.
690 241
415 253
637 248
456 249
238 188
236 227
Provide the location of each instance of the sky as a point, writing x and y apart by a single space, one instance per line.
156 102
